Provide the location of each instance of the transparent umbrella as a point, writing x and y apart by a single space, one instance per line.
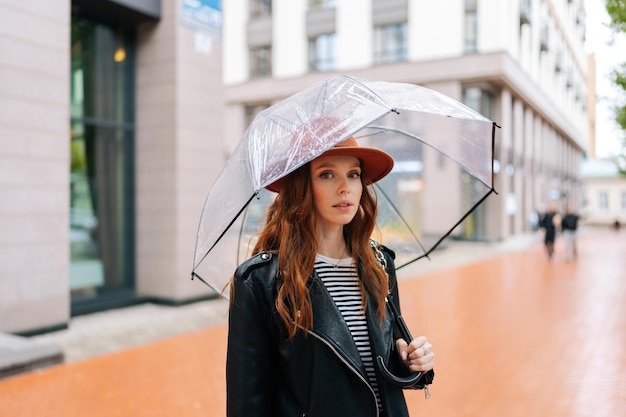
443 153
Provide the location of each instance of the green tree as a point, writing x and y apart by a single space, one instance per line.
617 13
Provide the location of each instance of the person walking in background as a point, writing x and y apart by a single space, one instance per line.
569 224
549 223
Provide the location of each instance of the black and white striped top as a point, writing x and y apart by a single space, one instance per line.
341 280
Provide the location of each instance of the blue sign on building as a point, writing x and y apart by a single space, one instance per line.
204 16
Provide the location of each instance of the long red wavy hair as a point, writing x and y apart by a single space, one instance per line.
290 233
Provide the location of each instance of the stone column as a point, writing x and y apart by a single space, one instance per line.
179 150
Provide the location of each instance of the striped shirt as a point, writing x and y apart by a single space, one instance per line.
342 282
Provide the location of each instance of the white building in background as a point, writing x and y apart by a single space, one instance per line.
605 193
520 62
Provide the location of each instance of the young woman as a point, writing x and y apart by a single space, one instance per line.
308 314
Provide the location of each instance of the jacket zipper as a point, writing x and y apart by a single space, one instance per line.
356 372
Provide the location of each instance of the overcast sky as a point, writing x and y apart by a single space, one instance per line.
610 51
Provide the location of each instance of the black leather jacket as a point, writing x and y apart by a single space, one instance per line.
315 374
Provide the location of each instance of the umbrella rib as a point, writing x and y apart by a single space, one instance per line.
390 202
243 222
493 151
226 229
491 190
195 275
363 85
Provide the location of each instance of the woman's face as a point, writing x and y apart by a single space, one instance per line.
337 189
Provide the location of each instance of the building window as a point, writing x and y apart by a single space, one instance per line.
390 43
101 147
475 226
261 62
252 110
623 201
322 53
525 12
603 201
479 100
558 61
544 38
471 30
569 78
260 8
322 4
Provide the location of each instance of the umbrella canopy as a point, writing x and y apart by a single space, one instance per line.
443 153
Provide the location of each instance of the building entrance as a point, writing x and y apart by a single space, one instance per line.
101 180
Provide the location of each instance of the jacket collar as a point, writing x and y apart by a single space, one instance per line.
329 324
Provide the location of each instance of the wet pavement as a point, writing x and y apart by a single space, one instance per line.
514 334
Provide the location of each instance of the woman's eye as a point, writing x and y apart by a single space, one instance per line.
330 174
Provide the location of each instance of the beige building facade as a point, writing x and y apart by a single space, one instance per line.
34 164
110 135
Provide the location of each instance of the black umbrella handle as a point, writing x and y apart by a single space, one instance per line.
404 382
405 333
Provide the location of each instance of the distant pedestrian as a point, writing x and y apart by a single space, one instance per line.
549 223
569 224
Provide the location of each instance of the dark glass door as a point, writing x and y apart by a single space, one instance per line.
101 186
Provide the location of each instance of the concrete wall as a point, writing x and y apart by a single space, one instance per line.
34 164
435 29
179 150
235 57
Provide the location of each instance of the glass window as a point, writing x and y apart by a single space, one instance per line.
479 100
474 227
322 4
603 201
252 111
261 62
544 37
525 12
623 201
322 53
390 43
260 8
101 147
471 31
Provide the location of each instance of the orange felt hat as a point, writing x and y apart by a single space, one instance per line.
376 164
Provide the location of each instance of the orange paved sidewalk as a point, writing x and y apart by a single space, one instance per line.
514 335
